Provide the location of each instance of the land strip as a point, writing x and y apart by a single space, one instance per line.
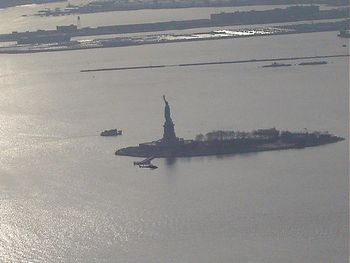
287 15
173 38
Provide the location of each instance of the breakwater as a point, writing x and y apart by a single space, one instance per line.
214 63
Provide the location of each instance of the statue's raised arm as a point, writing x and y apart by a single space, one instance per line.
166 103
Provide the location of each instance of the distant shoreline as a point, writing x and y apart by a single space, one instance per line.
111 6
154 39
12 3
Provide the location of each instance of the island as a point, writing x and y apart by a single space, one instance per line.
225 142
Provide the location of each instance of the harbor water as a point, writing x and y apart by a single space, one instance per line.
65 196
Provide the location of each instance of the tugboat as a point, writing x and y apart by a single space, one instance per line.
146 163
113 132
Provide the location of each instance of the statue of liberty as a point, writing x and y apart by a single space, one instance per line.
169 131
167 111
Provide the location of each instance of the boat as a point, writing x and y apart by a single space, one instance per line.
275 65
149 166
225 142
313 63
113 132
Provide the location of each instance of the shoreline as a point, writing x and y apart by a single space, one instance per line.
170 38
257 149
